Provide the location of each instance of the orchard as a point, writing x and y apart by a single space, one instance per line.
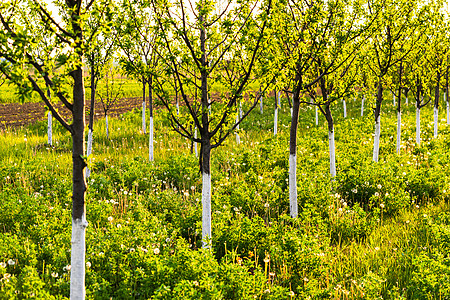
283 150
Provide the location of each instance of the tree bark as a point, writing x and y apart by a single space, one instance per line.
91 119
150 104
332 148
377 112
436 105
144 129
79 223
275 117
293 206
344 104
362 105
49 122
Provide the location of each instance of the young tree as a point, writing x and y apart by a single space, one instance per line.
215 48
23 24
138 40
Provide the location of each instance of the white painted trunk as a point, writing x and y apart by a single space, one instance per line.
206 210
436 121
448 108
399 130
317 115
376 141
77 262
332 153
49 129
150 141
393 98
406 100
292 110
240 110
275 121
195 143
418 126
362 105
89 152
107 126
261 104
178 108
293 185
345 108
143 118
238 138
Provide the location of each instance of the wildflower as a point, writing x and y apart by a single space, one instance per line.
267 259
291 293
132 250
379 186
156 251
54 274
67 268
267 291
377 248
195 282
337 195
417 206
387 194
11 262
119 226
239 260
355 190
88 264
344 204
404 173
377 194
110 219
382 205
340 209
305 279
266 205
271 274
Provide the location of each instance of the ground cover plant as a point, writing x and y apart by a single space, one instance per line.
377 231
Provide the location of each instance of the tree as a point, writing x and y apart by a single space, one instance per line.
23 24
215 48
138 40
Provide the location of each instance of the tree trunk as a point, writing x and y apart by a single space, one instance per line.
107 125
195 143
206 193
91 119
275 117
279 99
331 145
399 130
79 223
49 122
362 105
150 104
293 206
448 107
393 98
144 129
260 101
345 108
436 106
418 125
238 138
377 112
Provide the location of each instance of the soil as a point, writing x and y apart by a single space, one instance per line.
13 115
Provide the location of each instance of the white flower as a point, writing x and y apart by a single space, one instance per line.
382 205
54 274
88 264
67 268
417 206
337 195
195 282
11 262
377 248
379 186
2 264
119 226
266 205
156 251
355 190
340 209
377 194
291 293
132 250
110 219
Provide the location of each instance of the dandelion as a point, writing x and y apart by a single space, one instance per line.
11 262
156 251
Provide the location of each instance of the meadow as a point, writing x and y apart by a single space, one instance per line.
376 231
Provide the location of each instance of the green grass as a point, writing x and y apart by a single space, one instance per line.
377 231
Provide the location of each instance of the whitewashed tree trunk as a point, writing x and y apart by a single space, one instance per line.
448 108
195 143
206 209
317 115
178 108
279 99
393 98
49 128
77 262
399 130
238 138
345 108
436 121
89 151
144 129
362 105
418 126
150 141
376 141
293 185
406 100
275 121
107 126
261 104
332 153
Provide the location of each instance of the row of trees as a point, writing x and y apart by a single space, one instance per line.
316 52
